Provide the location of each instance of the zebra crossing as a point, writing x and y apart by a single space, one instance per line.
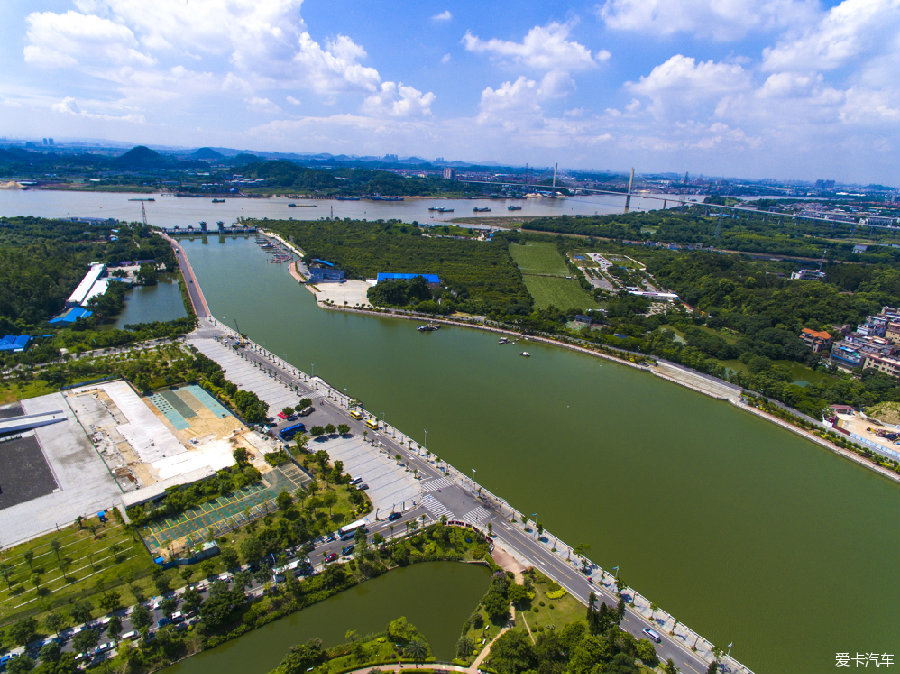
475 516
436 508
434 485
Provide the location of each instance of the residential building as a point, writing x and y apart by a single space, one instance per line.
884 364
846 355
816 340
808 275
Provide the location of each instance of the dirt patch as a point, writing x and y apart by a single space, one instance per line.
886 413
507 562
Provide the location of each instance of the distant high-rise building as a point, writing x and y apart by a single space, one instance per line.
44 140
390 157
824 184
449 173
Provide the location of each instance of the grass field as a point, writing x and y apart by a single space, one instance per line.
544 272
561 293
90 560
539 258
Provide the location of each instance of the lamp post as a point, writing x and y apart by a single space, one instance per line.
426 439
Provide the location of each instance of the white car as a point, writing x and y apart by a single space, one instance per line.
652 634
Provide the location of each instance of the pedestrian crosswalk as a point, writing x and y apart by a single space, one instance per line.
475 516
434 485
436 508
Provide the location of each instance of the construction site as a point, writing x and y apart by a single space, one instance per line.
174 437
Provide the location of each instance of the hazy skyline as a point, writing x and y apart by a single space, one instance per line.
779 88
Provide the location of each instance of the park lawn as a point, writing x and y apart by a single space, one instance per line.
92 566
373 651
481 637
538 258
545 612
561 293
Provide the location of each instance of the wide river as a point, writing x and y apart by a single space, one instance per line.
747 533
167 211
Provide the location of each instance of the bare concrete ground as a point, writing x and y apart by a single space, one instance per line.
351 292
85 485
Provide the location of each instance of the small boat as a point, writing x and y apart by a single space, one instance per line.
218 201
514 208
429 327
142 199
525 354
347 198
292 205
483 209
503 340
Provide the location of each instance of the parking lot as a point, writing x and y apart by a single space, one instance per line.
389 484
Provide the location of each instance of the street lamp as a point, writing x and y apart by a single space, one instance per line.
426 439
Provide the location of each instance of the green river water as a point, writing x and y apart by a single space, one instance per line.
743 531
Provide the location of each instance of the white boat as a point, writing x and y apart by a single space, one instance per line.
525 354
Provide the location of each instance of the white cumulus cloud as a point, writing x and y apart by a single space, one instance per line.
443 16
398 100
542 48
716 19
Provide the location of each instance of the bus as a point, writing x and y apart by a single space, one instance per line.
356 414
372 423
349 531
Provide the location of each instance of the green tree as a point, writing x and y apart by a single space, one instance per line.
330 429
464 647
6 572
192 599
23 631
284 500
330 498
20 665
241 457
513 653
85 640
317 431
110 601
81 612
28 557
168 606
55 545
343 429
229 557
140 617
417 649
54 622
300 659
114 628
287 411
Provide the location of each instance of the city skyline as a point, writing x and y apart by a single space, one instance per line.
787 89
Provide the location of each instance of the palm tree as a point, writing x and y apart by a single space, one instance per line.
56 545
417 649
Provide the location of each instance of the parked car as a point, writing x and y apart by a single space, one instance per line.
348 550
652 634
330 557
394 516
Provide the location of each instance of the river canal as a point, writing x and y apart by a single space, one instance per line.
746 532
436 597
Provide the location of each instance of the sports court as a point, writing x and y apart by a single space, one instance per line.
226 513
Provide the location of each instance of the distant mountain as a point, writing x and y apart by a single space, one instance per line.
244 158
142 157
206 154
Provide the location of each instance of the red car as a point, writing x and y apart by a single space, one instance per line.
330 557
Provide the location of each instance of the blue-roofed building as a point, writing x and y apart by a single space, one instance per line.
70 316
395 276
14 343
318 274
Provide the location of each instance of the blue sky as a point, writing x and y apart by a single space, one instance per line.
753 88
